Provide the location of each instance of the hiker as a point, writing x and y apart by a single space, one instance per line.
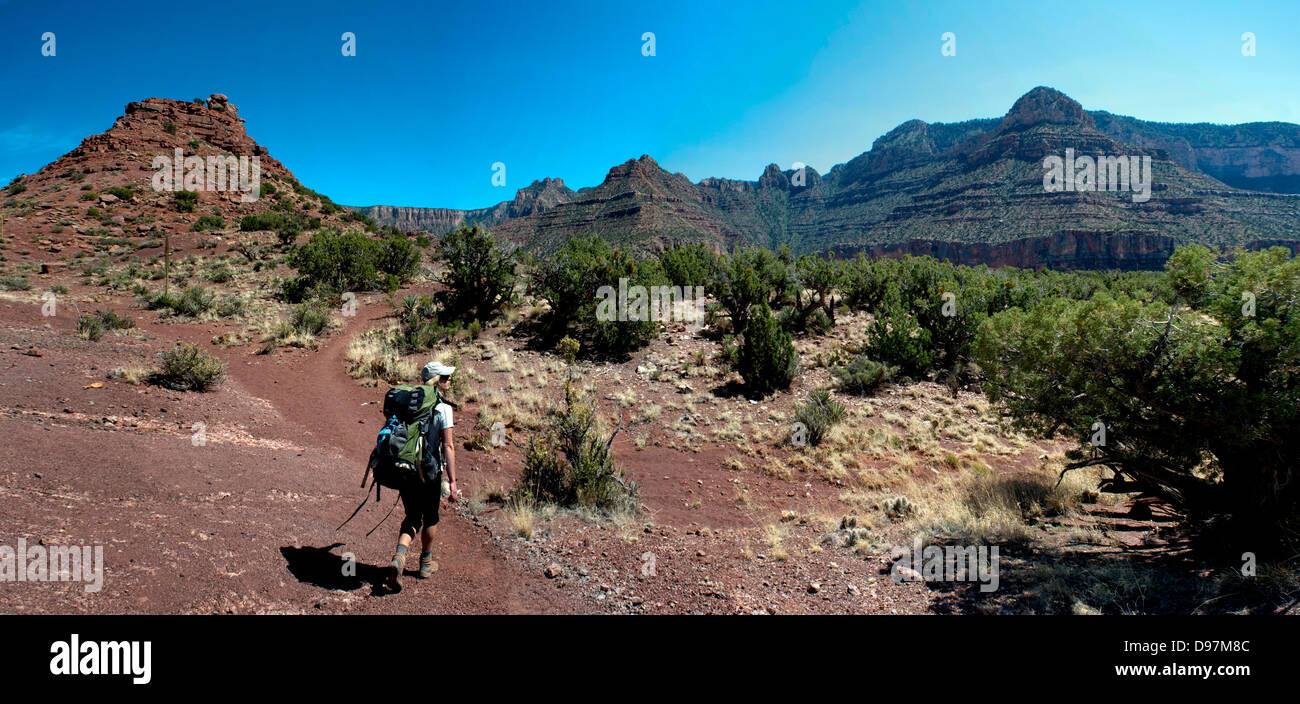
421 501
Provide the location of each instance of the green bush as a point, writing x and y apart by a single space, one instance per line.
208 222
186 201
751 277
766 359
287 226
15 282
219 273
819 415
120 192
688 264
230 304
862 375
895 338
569 463
169 127
572 281
420 326
479 274
821 277
188 368
334 262
193 302
311 318
1198 405
93 326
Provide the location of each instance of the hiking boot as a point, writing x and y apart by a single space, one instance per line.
427 566
394 577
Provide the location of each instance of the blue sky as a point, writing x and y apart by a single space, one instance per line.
438 92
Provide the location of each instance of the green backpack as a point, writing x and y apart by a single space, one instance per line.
399 449
397 458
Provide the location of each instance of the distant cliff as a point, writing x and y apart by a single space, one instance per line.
971 191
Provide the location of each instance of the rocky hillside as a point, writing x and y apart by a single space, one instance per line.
971 191
103 193
1259 156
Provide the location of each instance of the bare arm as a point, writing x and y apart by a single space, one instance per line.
449 450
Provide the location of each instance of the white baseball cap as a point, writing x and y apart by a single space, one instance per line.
435 368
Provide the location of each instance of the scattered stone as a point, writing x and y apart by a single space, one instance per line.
1082 609
814 587
553 570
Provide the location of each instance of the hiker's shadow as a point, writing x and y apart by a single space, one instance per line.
324 569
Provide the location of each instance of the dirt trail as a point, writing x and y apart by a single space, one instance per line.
243 524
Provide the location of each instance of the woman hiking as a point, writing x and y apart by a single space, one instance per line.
421 501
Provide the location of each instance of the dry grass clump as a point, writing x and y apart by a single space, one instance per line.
980 507
523 517
375 355
774 535
133 374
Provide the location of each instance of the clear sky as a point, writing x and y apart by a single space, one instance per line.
439 91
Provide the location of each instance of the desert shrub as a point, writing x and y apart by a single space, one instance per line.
820 277
186 367
398 258
169 127
688 264
750 277
896 339
333 262
219 273
193 302
185 201
569 462
230 304
479 274
287 226
866 281
15 282
1197 405
93 326
120 192
862 375
311 318
88 196
580 283
17 188
766 358
819 415
420 325
208 222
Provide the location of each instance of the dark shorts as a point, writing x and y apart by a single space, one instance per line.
421 506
